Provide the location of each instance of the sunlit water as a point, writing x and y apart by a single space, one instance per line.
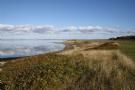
19 48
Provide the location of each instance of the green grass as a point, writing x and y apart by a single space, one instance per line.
128 48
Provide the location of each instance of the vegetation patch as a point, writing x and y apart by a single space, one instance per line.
60 72
106 46
128 48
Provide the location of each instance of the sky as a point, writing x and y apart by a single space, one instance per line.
66 19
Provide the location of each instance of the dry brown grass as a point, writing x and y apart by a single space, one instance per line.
112 68
77 47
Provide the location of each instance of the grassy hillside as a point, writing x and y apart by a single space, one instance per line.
79 68
42 72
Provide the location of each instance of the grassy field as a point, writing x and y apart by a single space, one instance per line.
128 47
85 66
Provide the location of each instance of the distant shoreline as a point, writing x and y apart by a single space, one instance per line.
67 47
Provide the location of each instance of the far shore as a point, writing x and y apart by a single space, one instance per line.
72 46
67 46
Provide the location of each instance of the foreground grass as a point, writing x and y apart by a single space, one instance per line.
42 72
60 72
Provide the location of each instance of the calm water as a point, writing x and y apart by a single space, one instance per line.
18 48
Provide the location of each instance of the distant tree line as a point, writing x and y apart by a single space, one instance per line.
123 38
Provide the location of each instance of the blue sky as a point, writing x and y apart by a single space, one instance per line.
118 15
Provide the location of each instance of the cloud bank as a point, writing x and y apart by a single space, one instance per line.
45 30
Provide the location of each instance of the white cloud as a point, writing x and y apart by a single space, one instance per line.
50 28
44 29
26 28
89 29
23 28
4 52
37 31
131 32
6 27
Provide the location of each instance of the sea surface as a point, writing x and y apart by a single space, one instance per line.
20 48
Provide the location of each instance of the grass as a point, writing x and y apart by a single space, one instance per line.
60 72
42 72
128 47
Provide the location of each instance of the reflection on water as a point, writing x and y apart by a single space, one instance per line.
18 48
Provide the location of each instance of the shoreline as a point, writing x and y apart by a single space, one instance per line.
67 47
4 61
72 47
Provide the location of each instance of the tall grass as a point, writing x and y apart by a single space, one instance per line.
60 72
